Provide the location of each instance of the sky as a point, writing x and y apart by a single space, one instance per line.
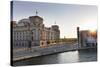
67 16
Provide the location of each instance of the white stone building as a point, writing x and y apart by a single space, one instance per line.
32 32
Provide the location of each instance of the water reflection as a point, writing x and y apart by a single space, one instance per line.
66 57
87 55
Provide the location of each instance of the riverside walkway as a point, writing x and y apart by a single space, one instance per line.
24 53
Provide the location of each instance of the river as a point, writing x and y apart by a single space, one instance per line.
59 58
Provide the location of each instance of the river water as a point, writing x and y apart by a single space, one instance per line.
65 57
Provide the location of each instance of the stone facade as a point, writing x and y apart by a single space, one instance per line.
32 32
